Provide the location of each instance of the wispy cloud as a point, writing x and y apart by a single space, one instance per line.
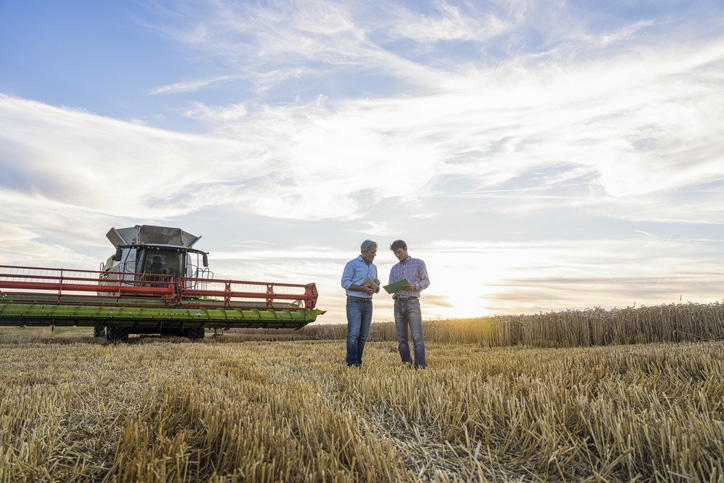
333 160
191 86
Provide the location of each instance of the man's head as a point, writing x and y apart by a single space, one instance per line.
399 248
368 250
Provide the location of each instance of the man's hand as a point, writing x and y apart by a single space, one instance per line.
362 288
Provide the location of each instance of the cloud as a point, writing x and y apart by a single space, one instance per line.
644 136
443 22
191 86
88 159
217 115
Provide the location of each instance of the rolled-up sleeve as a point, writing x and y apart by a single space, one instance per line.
424 281
347 275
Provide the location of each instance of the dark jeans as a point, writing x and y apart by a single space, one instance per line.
359 319
408 314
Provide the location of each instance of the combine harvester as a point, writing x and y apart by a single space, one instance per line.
155 283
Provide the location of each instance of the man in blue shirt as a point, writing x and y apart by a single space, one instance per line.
360 282
407 302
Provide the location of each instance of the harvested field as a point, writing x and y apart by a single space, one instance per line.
74 409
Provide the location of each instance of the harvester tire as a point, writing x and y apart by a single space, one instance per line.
172 332
117 334
195 334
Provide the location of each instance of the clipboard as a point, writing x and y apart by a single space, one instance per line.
395 287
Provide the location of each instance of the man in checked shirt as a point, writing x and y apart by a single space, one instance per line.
407 303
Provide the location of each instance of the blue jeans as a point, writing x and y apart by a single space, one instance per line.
359 319
408 314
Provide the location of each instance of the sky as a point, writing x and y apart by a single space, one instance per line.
538 155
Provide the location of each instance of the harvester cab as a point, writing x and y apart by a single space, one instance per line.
154 253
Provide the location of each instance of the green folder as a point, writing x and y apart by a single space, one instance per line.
395 287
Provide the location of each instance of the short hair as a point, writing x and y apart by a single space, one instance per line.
398 244
368 245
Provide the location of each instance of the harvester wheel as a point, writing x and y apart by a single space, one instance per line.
195 334
99 331
117 334
173 332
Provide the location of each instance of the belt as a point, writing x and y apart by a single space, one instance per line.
359 298
404 298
